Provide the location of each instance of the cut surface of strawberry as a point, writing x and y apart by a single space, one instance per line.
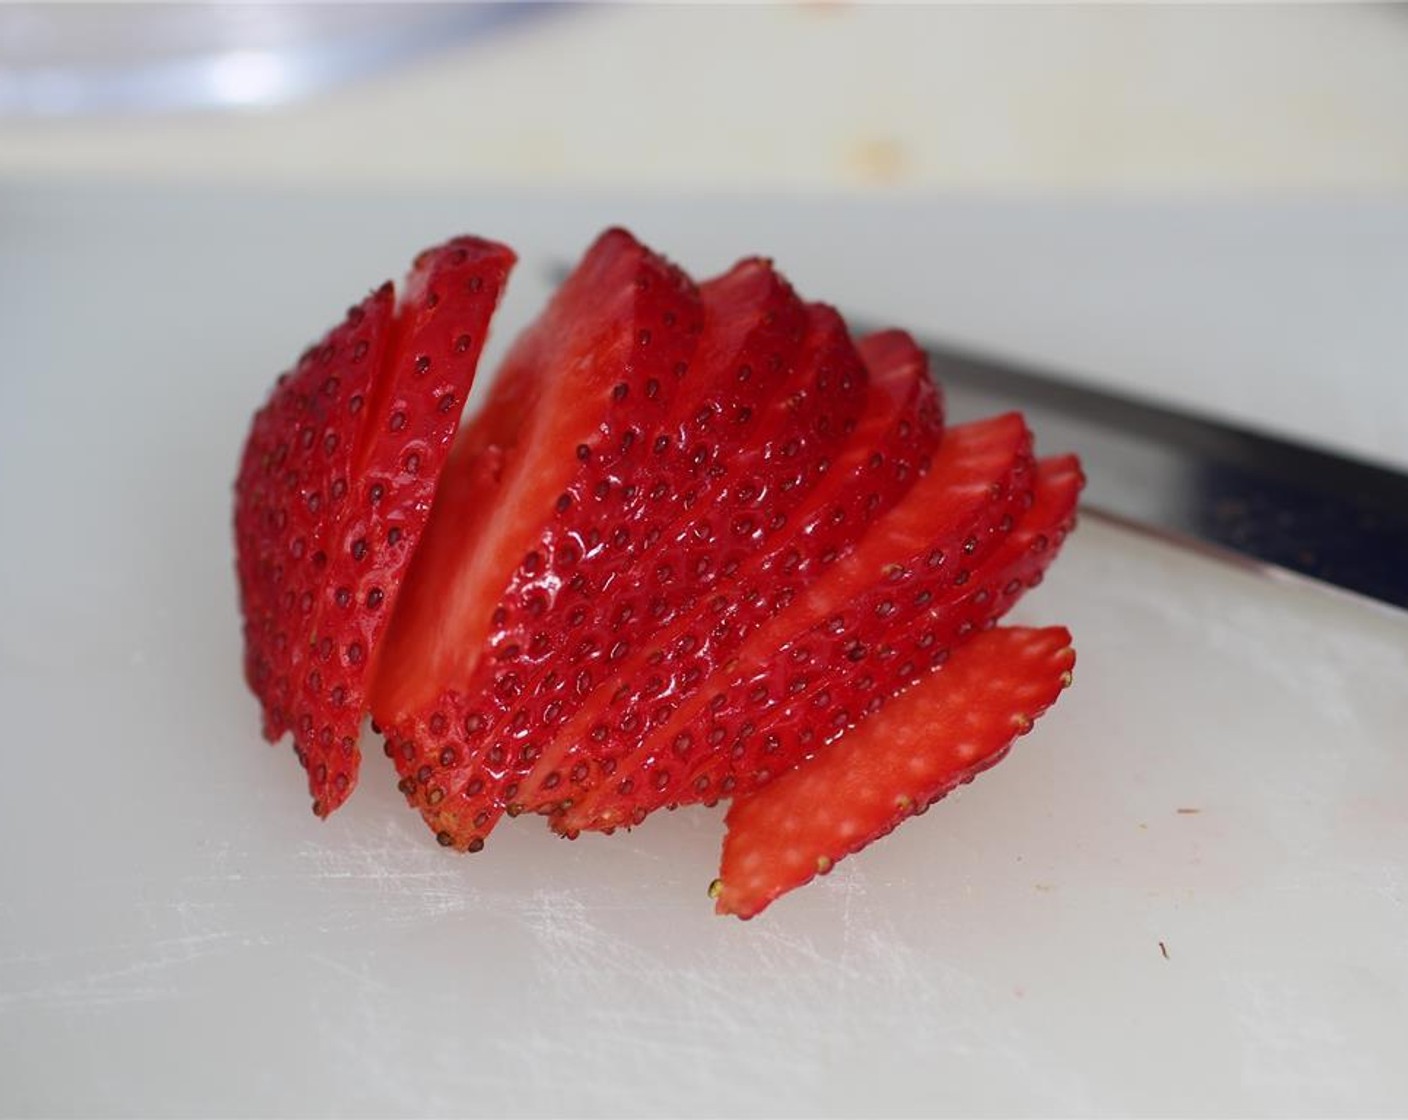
335 485
942 732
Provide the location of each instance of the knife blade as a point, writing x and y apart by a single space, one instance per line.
1273 501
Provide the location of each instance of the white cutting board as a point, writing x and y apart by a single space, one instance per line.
1187 892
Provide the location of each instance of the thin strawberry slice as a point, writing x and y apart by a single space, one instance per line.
1016 566
814 690
946 524
889 450
280 494
335 488
948 728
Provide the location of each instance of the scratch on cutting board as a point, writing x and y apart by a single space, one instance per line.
200 919
422 885
364 981
636 992
359 1005
677 1000
1387 881
577 954
139 982
851 886
1289 1046
577 951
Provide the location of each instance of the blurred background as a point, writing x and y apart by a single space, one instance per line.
1132 100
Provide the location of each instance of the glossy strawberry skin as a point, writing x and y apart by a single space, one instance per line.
334 488
298 460
841 630
866 654
793 706
944 731
918 644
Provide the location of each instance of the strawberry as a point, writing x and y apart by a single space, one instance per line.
942 732
929 544
334 489
696 544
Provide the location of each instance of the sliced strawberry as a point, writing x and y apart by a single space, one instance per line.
708 457
697 544
815 689
335 488
843 671
944 527
889 450
942 732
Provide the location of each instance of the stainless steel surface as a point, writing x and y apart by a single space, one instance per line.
1322 515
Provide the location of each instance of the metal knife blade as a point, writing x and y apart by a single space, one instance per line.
1277 502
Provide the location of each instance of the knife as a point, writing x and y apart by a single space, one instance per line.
1272 501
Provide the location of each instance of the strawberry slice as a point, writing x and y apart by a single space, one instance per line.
843 671
941 733
709 456
944 527
920 644
334 489
890 448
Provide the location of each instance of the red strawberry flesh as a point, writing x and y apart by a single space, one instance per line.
334 489
951 726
